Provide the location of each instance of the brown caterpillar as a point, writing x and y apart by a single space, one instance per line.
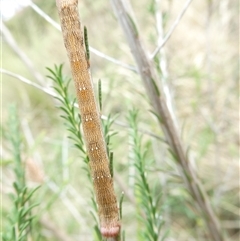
90 115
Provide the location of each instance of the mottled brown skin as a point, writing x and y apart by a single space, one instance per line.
93 134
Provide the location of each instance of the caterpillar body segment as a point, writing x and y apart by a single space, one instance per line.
76 47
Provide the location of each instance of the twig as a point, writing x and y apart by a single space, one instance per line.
163 62
29 82
111 59
161 110
12 43
41 13
168 35
93 50
54 94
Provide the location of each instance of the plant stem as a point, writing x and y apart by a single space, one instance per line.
161 110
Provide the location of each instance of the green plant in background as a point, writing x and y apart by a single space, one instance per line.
204 100
20 219
73 122
148 205
147 202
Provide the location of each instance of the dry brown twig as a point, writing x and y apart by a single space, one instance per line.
150 81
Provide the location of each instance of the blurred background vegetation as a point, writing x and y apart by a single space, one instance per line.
202 61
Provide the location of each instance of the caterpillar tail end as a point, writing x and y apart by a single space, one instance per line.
110 232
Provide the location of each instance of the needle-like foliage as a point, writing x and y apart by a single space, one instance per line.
73 122
149 212
20 218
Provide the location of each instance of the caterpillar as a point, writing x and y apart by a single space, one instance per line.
90 116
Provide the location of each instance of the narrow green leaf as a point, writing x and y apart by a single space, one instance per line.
86 43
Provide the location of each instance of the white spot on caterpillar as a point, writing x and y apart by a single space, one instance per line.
94 146
81 88
88 117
